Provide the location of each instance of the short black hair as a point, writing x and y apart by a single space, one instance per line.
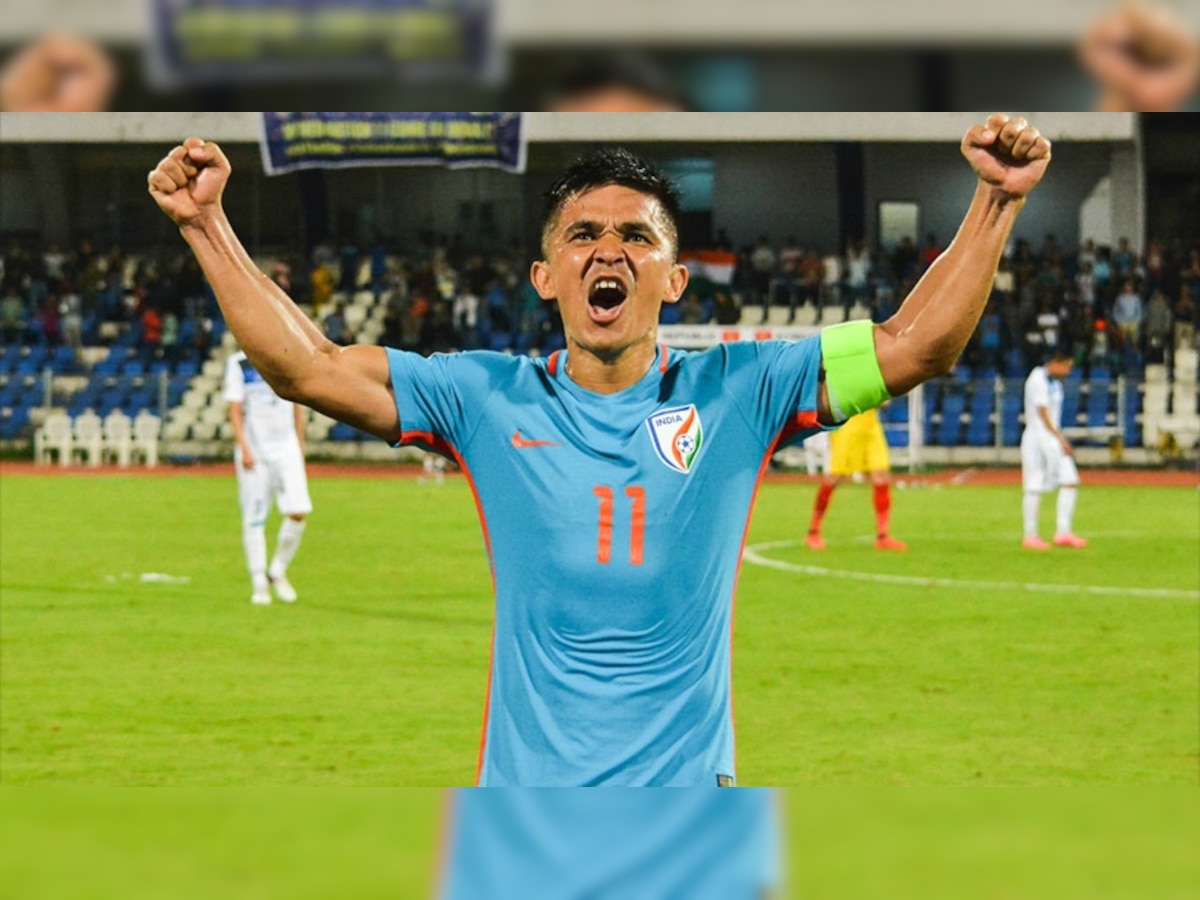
608 166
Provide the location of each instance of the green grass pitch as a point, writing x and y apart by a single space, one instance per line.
850 668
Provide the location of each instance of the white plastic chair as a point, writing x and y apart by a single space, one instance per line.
146 430
89 437
118 437
54 436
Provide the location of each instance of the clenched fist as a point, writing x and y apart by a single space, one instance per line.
188 183
1008 155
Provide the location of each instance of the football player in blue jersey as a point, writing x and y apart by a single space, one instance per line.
614 479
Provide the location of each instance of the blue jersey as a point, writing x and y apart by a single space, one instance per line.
614 524
567 844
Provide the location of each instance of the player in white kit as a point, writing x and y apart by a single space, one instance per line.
1047 460
270 464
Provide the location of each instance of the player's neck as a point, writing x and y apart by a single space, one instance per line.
604 375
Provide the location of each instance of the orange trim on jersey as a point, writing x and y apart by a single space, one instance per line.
662 366
442 860
487 703
552 364
799 422
444 446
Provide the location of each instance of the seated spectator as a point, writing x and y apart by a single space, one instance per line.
169 340
992 343
71 321
727 310
1128 313
12 316
335 325
152 328
858 272
691 310
1185 320
1159 327
323 286
47 323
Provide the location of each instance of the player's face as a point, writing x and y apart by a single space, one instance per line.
1059 368
610 264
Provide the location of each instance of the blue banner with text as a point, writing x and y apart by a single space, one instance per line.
320 140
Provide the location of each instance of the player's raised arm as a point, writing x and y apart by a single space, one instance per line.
929 331
351 384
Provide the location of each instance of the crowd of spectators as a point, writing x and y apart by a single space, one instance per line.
439 296
156 303
1109 307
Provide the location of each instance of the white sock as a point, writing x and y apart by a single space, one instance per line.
254 539
1029 509
290 533
1066 508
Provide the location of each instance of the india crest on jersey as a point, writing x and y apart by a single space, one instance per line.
677 435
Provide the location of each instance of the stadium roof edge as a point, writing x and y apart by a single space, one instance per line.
795 23
235 127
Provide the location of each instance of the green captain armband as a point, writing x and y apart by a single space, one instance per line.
852 377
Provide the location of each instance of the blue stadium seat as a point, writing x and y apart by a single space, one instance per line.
896 411
12 421
950 428
1097 404
1070 408
1012 404
1014 363
979 426
1133 409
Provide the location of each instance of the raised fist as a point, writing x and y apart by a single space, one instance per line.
189 181
1009 155
1145 57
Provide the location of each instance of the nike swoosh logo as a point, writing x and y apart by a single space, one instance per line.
524 443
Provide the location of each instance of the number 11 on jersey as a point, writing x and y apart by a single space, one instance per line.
637 523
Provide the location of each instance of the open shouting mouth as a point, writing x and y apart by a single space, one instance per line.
606 298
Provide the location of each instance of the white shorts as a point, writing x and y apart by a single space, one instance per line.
1045 467
281 477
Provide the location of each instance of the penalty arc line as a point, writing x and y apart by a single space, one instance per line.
754 556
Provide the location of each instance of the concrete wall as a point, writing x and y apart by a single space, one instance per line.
551 127
674 22
939 178
777 189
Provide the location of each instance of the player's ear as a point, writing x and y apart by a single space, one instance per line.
677 283
543 283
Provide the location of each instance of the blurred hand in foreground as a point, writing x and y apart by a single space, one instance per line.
58 73
1145 58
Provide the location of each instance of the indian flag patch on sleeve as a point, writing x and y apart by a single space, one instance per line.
677 436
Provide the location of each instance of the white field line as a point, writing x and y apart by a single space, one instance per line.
754 556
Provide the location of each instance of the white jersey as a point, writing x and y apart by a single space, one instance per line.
1042 390
269 420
